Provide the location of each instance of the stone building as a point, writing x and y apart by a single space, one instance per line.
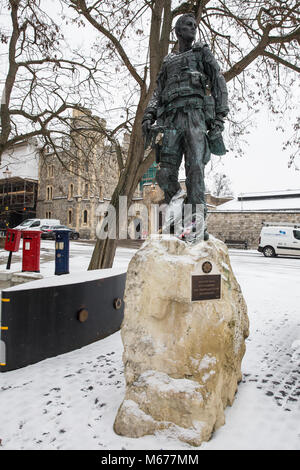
242 218
74 182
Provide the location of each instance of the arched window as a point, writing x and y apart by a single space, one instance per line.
50 171
85 216
86 190
49 193
70 216
71 191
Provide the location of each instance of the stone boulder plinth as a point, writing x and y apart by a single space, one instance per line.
182 358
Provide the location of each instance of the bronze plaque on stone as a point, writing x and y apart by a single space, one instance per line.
207 267
206 287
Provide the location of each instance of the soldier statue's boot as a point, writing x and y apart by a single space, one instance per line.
173 215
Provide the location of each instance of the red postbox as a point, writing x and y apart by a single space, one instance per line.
31 250
12 241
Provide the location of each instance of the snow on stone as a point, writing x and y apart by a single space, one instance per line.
225 266
166 384
207 362
179 433
136 411
74 278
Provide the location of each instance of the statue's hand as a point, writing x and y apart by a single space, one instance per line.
218 124
146 126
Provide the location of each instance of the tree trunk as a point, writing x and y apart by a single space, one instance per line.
104 251
103 254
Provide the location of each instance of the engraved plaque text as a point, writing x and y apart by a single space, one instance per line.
206 287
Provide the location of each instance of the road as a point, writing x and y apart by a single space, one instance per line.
271 287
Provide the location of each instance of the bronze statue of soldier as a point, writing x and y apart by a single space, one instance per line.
189 103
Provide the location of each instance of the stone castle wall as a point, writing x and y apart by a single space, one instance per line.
245 225
76 205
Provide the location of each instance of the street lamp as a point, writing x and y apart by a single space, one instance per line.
7 174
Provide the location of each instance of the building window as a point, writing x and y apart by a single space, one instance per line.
86 190
70 216
101 193
50 171
71 191
48 215
49 193
85 217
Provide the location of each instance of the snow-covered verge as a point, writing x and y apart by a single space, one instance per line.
70 402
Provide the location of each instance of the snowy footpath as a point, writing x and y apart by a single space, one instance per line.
70 401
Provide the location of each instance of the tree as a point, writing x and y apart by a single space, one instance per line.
254 40
48 89
221 185
113 24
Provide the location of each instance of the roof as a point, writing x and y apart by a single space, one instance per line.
270 194
268 200
17 179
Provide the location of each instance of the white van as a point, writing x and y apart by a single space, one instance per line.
35 224
280 239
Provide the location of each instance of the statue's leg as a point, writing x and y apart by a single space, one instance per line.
171 156
197 154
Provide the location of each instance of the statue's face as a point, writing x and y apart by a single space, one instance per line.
188 29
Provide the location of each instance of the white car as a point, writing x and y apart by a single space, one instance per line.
35 224
283 239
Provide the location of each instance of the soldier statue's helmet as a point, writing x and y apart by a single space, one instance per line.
181 20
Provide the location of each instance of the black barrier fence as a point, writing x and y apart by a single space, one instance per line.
43 322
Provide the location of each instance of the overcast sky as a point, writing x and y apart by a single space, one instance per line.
264 166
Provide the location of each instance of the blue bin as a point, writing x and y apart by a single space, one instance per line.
62 251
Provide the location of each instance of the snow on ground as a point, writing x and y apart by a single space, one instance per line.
70 402
80 255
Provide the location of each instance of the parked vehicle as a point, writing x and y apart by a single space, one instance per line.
48 232
35 224
280 239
